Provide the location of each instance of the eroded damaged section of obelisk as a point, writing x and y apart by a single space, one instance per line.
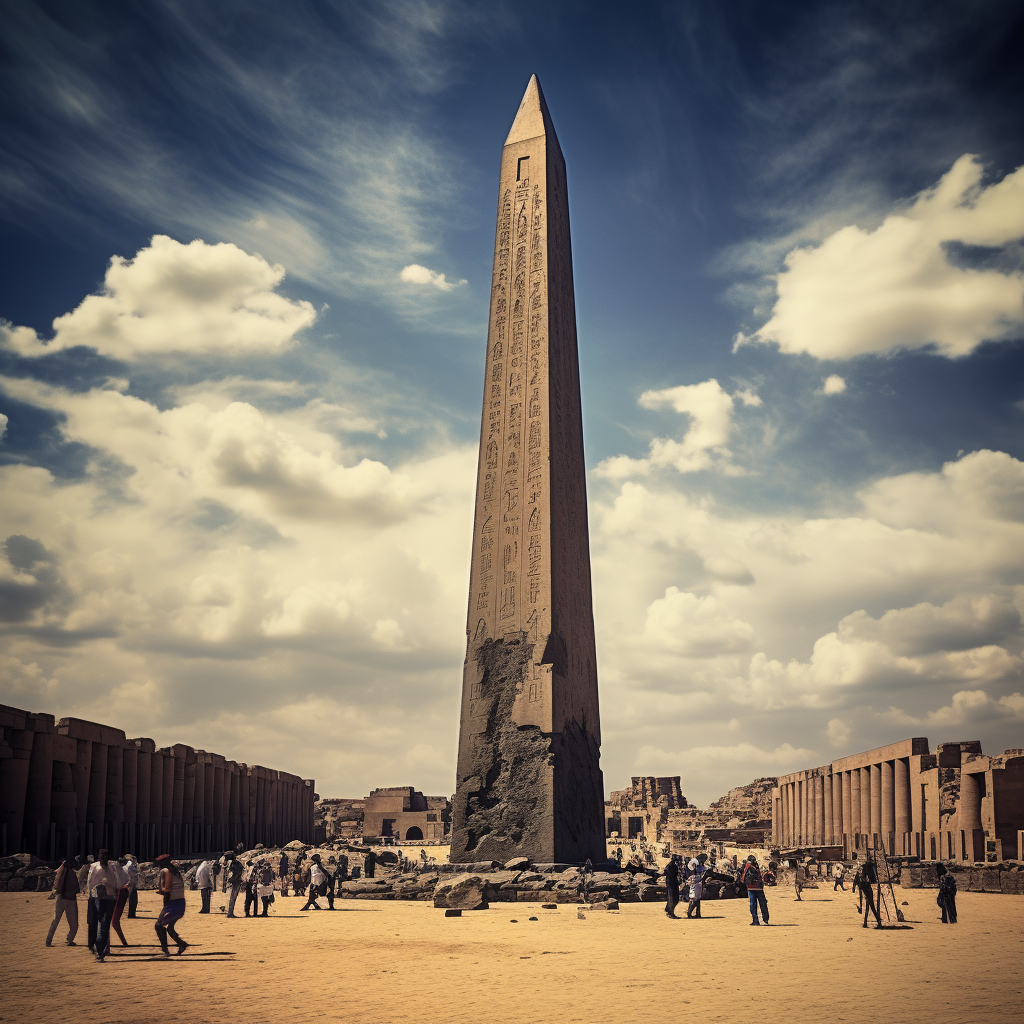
529 779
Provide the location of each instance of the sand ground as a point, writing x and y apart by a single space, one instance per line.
374 961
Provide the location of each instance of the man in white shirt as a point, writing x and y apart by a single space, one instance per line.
105 878
131 869
316 880
204 880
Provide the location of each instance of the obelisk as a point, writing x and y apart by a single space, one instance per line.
529 780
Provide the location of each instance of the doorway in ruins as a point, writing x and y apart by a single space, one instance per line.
387 827
414 834
636 827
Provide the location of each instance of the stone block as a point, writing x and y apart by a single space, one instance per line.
604 905
64 748
1009 881
517 864
462 892
990 880
548 897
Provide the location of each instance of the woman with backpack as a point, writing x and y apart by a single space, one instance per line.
751 878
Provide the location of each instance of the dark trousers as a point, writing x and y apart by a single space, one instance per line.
869 904
104 914
694 905
204 895
948 905
839 884
673 900
311 901
90 921
265 900
758 900
250 901
133 902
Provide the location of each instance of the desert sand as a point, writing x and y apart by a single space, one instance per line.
392 961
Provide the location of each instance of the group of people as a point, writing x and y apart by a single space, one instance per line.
110 885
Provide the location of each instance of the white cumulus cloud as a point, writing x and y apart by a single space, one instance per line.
834 385
177 298
903 285
415 274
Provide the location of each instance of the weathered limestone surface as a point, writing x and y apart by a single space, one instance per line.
529 781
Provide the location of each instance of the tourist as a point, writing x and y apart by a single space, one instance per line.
369 864
205 881
868 877
122 900
799 877
90 911
131 869
316 879
333 883
342 873
251 884
225 863
65 885
839 874
265 886
696 887
171 886
672 885
299 876
105 878
284 870
751 878
947 894
233 873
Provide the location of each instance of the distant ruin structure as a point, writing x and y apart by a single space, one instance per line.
405 814
642 810
70 787
529 779
956 804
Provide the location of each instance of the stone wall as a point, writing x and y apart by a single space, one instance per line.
71 787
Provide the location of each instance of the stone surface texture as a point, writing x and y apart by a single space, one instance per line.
529 782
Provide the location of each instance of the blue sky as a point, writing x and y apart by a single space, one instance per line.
246 258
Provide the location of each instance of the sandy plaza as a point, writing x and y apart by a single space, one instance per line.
378 961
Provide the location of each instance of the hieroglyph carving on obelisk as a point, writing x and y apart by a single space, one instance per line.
529 781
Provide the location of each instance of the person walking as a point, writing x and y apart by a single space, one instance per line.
839 875
751 878
333 882
284 871
90 910
868 878
204 882
947 894
799 877
65 885
672 885
131 869
105 878
696 887
251 883
122 901
171 886
265 885
316 878
234 875
298 876
341 875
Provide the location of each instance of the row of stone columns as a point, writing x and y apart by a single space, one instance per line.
75 786
867 807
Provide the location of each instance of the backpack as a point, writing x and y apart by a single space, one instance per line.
752 876
266 875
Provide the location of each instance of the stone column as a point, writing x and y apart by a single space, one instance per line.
904 824
829 811
178 752
81 772
188 803
156 796
234 803
14 773
876 800
887 817
252 781
792 823
167 806
210 815
855 806
847 826
63 802
130 788
819 809
144 795
968 815
98 793
114 809
40 784
199 802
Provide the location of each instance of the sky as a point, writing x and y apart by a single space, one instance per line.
246 253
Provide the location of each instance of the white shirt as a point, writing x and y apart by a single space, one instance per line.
316 875
132 871
110 876
204 875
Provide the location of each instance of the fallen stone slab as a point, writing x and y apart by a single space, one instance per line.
517 864
604 905
463 892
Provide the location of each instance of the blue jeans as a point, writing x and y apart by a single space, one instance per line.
104 913
757 899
